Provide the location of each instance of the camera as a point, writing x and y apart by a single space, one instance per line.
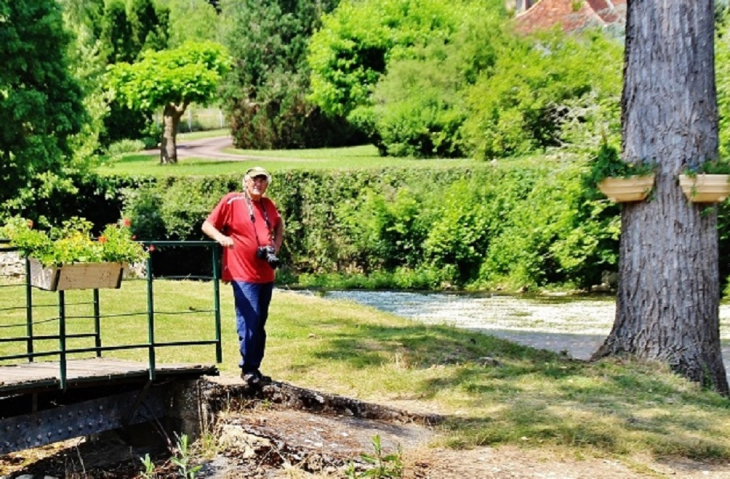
267 253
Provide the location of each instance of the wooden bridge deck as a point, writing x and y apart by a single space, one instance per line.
42 376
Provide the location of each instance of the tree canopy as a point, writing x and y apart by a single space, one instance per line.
40 101
266 96
170 79
190 73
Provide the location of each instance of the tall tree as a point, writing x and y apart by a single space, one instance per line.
360 39
266 96
40 101
116 33
149 25
192 20
171 80
668 295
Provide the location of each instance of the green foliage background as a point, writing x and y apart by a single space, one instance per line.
266 95
40 101
507 226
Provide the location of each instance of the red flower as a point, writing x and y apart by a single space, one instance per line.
102 239
126 222
152 247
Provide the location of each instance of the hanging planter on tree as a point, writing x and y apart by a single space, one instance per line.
619 180
705 188
623 190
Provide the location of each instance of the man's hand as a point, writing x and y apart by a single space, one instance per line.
225 241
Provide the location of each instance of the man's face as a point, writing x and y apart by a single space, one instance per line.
257 186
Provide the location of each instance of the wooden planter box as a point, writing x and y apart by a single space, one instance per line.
623 190
705 188
76 276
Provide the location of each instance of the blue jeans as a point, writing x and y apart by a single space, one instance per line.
252 308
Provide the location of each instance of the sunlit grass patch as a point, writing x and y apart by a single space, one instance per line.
491 391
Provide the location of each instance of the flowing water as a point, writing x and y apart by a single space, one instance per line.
575 325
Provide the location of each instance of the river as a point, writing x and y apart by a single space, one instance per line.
560 323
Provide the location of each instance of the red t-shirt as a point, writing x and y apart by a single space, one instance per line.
232 218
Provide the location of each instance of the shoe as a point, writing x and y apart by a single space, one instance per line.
250 378
262 378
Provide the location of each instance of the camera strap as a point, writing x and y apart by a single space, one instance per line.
253 218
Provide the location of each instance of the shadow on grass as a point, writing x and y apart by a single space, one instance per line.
509 393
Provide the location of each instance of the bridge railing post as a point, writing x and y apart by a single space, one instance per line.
28 312
151 318
62 336
217 303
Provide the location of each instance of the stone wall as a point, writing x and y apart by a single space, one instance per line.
11 264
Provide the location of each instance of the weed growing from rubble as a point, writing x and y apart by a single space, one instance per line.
149 467
182 458
385 466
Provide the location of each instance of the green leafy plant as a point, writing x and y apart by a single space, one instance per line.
72 242
149 467
181 459
607 163
709 167
384 465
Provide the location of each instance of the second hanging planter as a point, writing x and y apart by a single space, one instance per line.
705 188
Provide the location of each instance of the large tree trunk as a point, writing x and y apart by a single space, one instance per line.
668 294
171 120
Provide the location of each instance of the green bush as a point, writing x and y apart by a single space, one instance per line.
418 111
419 105
359 40
531 224
125 146
543 92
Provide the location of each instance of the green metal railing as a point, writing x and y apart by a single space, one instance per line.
98 348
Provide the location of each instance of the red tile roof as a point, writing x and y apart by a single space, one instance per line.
570 14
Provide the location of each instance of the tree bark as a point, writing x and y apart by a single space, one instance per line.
171 120
668 295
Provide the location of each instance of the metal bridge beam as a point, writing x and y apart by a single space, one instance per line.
81 419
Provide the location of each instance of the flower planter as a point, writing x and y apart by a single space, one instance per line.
623 190
704 188
76 276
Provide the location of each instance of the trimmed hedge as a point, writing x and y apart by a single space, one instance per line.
514 225
440 227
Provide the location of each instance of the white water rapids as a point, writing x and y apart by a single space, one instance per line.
575 325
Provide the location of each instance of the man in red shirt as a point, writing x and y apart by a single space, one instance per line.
249 228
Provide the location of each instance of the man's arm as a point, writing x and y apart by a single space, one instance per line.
278 238
213 233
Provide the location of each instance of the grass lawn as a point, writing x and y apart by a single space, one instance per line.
492 391
356 157
196 135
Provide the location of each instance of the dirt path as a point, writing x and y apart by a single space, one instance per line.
213 149
282 431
